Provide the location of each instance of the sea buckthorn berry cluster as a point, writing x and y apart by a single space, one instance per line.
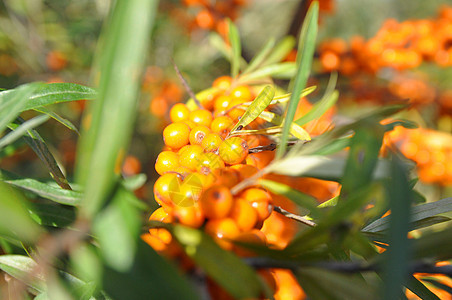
202 163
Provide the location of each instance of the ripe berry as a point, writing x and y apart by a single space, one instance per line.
222 125
179 113
223 230
260 200
191 216
244 215
216 202
188 192
242 92
166 161
222 103
208 162
245 171
175 135
223 82
189 156
201 117
197 134
166 184
211 142
233 150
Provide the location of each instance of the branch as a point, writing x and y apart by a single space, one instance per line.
186 86
292 216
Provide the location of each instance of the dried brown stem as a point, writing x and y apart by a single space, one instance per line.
295 217
186 86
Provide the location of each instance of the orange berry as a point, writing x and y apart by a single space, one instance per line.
253 236
244 215
189 156
201 117
222 125
187 194
223 82
216 202
131 166
211 142
260 200
223 230
205 19
190 124
175 135
208 162
236 113
242 92
179 113
245 171
166 161
166 184
222 103
197 134
233 150
191 216
182 171
161 215
226 176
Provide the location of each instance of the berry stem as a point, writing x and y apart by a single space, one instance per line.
294 216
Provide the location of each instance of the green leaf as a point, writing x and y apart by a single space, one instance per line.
324 285
398 254
433 245
116 228
24 269
305 55
327 101
224 267
297 197
418 288
234 39
281 50
67 197
260 57
15 221
53 93
52 215
270 70
37 144
256 108
107 124
418 213
150 277
57 117
12 102
21 130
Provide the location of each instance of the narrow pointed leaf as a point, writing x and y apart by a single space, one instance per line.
107 124
305 55
12 102
327 101
260 57
299 132
22 129
57 117
256 108
281 50
270 71
418 288
53 93
37 144
236 46
52 215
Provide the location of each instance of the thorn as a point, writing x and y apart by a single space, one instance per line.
185 84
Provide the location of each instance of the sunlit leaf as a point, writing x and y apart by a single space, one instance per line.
418 288
305 55
21 130
256 108
270 70
24 269
224 267
12 102
418 213
107 124
53 93
299 132
52 215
